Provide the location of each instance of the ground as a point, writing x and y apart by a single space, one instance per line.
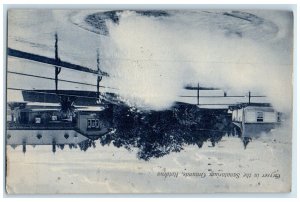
107 169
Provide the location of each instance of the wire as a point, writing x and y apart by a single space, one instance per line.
212 96
63 80
215 96
213 104
50 61
190 61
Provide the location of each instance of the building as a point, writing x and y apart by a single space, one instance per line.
252 119
33 124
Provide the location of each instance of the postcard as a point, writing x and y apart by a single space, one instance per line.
149 101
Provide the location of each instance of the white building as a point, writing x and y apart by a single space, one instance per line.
255 113
254 118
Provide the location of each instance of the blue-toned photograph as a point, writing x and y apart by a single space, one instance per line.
149 101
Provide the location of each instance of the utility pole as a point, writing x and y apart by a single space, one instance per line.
57 69
249 96
198 94
99 77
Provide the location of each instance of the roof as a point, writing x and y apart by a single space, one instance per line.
43 107
83 98
244 105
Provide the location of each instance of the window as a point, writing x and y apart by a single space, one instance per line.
93 123
97 124
259 116
38 120
89 123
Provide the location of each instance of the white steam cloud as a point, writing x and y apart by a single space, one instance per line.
153 58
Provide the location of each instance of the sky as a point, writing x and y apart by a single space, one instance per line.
152 57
